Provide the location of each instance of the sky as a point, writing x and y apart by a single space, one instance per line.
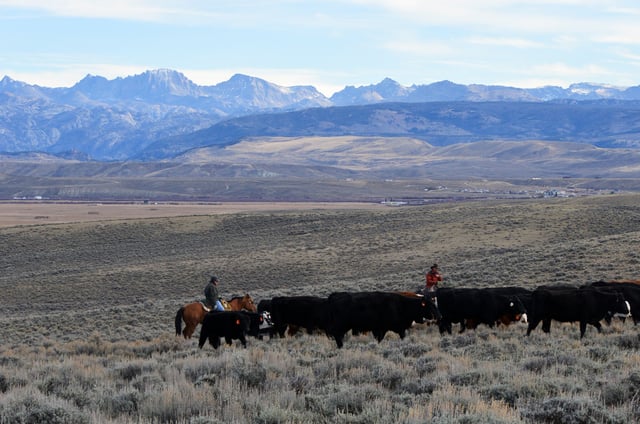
328 44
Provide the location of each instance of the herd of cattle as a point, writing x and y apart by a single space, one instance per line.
378 312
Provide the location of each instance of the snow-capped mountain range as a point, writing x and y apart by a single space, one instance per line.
120 118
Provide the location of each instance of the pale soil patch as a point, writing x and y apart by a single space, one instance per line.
30 213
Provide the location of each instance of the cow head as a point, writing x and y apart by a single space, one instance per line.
620 308
516 308
266 318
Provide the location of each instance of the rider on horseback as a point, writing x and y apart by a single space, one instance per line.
212 297
432 278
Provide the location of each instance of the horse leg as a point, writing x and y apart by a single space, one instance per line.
179 321
188 330
192 316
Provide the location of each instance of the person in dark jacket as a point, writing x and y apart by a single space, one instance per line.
212 297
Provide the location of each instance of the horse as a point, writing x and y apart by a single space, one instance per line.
193 313
239 303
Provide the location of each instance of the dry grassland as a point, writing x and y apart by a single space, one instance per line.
28 213
87 312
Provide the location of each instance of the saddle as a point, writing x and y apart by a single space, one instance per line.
225 305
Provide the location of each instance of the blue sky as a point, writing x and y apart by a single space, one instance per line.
325 43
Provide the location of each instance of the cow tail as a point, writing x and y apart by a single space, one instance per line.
179 321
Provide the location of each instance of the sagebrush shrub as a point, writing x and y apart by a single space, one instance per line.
119 404
569 411
4 384
25 406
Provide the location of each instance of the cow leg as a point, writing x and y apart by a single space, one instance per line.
546 325
468 323
339 339
202 341
214 341
243 340
228 340
280 329
532 325
444 326
597 325
583 328
292 330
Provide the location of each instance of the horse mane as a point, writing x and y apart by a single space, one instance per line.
239 297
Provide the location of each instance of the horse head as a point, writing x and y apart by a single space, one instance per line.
248 304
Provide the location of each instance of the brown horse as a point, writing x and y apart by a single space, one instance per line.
193 313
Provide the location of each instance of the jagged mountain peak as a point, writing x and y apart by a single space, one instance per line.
6 80
235 78
388 82
245 82
164 76
386 90
256 92
90 81
18 88
153 85
165 82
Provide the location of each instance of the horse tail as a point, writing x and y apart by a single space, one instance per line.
179 321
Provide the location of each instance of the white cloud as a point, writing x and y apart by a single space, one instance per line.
519 43
620 34
123 9
419 48
560 17
130 10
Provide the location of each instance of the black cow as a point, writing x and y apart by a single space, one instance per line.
308 312
256 323
523 294
631 293
264 306
585 305
378 312
474 306
228 324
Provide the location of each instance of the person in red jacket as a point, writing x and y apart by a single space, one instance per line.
432 279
